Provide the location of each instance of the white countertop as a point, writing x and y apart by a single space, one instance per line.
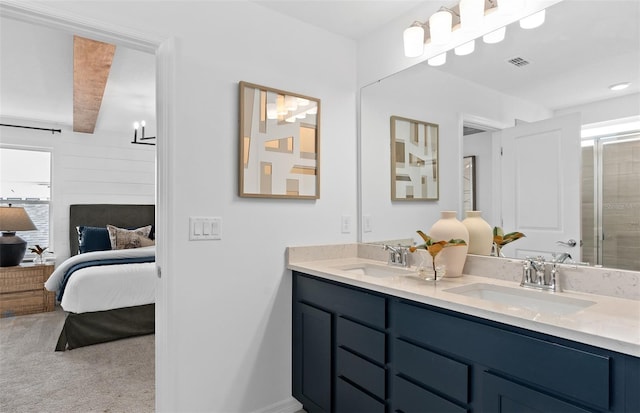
611 323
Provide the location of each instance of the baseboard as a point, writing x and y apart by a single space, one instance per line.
289 405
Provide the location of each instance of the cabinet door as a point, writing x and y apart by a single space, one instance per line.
312 358
504 396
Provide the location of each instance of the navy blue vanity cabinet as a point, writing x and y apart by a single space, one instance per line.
339 347
469 364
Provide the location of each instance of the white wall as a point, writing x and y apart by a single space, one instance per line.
429 95
86 169
228 343
605 110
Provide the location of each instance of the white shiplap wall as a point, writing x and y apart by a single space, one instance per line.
86 169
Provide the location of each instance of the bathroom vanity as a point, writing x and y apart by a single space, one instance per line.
366 341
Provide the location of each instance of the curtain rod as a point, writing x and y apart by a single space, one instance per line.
53 131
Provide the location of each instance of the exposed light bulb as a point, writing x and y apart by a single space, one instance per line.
465 49
136 125
495 36
440 27
438 60
143 124
413 38
471 14
533 21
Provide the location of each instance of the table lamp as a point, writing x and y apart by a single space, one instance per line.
12 247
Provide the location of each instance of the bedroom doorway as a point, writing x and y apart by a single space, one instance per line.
164 51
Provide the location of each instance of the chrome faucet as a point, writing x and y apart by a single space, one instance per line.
533 274
398 255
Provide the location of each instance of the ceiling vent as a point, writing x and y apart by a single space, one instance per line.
518 61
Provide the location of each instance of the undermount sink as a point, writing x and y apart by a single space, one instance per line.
538 301
374 270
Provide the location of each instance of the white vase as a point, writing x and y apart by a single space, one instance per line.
480 233
446 228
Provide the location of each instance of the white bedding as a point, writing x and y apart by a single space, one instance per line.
106 287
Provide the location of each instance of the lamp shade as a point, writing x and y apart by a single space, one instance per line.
12 247
413 41
440 27
438 60
466 48
14 219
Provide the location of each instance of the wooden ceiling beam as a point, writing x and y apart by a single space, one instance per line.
91 65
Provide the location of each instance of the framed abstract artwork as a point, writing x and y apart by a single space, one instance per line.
414 160
279 143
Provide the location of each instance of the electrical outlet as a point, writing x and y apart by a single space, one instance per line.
346 224
367 224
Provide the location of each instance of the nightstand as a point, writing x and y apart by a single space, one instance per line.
22 289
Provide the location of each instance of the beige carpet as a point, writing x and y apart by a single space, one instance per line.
110 377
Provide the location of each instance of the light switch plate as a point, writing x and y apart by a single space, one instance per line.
205 228
367 224
346 224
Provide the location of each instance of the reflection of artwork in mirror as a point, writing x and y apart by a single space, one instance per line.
279 143
469 183
414 160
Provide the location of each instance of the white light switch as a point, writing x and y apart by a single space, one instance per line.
205 228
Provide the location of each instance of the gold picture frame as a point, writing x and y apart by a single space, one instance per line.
414 160
279 143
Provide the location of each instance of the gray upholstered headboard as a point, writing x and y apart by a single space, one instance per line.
100 215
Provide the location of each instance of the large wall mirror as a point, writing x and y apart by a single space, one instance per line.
561 68
279 143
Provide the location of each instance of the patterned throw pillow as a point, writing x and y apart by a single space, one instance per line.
129 238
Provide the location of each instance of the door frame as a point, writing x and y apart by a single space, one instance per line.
165 51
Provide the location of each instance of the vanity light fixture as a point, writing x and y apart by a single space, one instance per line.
619 86
413 37
138 140
533 21
440 26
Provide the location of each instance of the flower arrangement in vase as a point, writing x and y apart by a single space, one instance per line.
500 239
434 247
39 251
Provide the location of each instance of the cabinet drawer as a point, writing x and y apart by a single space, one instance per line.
21 279
433 370
504 396
350 399
26 302
409 398
366 307
575 373
361 372
363 340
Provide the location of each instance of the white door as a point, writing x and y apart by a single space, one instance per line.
540 176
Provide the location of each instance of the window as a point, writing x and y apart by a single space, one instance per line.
25 181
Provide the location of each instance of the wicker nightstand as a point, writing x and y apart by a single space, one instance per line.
22 290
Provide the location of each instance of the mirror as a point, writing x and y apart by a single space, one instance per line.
564 66
279 144
414 160
469 183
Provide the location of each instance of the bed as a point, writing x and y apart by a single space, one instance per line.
107 293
